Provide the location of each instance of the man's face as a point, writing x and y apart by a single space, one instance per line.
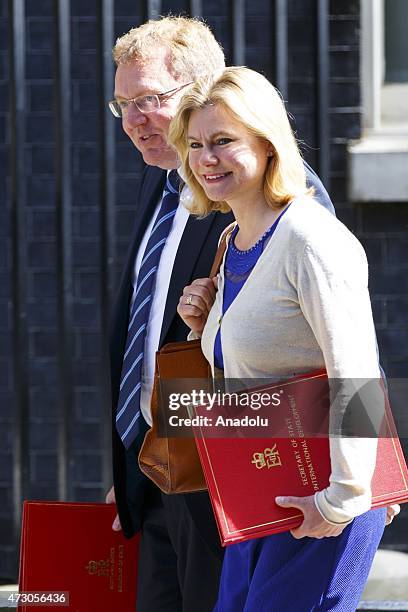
148 131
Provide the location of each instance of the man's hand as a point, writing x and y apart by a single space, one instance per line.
196 301
314 525
111 499
392 511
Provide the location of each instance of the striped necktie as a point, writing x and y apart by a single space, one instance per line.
128 410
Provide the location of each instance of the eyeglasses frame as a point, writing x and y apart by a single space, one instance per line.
159 96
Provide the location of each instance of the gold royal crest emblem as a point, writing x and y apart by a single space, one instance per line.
99 568
269 458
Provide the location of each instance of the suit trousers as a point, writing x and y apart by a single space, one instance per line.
178 571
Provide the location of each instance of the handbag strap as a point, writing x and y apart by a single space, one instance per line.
221 250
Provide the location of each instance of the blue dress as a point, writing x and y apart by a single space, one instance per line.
280 573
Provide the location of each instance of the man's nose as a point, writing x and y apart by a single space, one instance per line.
134 117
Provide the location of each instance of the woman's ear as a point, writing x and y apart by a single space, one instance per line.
269 149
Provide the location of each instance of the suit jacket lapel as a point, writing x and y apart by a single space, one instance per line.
193 238
150 193
192 241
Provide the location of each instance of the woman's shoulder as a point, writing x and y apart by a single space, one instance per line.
314 231
310 223
306 214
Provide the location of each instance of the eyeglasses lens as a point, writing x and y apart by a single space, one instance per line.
115 108
145 104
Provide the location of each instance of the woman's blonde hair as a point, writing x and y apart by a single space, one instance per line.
249 98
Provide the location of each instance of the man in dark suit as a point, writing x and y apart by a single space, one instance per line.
181 557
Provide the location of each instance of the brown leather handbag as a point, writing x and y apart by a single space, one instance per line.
172 463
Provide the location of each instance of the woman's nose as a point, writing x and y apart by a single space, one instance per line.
208 157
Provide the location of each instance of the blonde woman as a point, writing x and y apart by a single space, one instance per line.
292 297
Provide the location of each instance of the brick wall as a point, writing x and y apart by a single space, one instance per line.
6 460
381 227
41 289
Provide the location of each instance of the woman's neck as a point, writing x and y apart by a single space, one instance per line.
253 220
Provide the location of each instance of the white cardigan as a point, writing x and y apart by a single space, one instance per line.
306 306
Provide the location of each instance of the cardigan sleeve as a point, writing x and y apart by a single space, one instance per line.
332 279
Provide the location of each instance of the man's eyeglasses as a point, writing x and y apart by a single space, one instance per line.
146 104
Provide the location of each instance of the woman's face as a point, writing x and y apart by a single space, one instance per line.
227 161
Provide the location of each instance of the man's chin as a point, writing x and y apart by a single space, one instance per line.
154 158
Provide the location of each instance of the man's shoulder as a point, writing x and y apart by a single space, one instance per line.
152 176
320 193
150 188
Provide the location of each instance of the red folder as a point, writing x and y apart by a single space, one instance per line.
71 548
245 473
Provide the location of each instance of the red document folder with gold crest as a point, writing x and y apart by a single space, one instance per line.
245 471
71 548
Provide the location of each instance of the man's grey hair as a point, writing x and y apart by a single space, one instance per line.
193 50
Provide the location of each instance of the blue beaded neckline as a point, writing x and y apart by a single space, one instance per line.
255 246
240 263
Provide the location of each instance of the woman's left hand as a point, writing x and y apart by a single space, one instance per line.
314 525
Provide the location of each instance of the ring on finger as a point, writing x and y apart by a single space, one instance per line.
189 300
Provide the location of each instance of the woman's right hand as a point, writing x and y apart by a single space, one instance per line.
196 302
